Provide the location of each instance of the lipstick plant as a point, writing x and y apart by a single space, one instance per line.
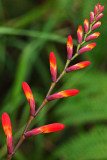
83 35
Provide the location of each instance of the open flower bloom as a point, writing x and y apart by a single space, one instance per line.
29 96
54 127
6 123
53 67
62 94
77 66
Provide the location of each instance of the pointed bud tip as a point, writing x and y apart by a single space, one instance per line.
69 41
51 55
92 45
6 123
86 21
52 59
68 93
80 29
52 127
83 64
27 91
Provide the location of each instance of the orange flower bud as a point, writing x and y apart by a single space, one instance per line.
54 127
29 96
62 94
53 67
6 123
69 47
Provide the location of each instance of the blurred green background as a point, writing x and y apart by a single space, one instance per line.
29 31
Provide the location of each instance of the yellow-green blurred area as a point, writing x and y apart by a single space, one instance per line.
29 31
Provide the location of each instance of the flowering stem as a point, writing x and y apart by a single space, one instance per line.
85 36
45 101
41 106
28 123
9 157
50 89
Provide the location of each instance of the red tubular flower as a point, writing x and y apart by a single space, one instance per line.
99 16
80 34
96 25
86 26
69 47
6 123
77 66
86 48
92 36
95 10
30 98
62 94
53 66
91 17
54 127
